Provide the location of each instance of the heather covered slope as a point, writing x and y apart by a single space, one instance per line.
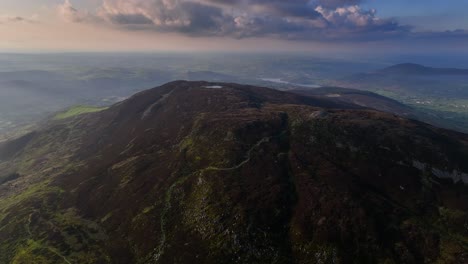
374 101
361 98
194 172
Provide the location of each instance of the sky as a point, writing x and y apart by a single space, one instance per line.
234 25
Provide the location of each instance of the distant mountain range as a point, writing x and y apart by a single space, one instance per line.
417 69
199 172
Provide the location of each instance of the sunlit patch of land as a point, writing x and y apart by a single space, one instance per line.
78 110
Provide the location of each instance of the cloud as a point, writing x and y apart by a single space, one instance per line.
351 16
5 19
186 17
352 21
322 20
337 3
291 8
70 14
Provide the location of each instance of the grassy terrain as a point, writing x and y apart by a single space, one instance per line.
78 110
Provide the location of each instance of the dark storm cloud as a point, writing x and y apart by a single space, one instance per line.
130 19
300 8
186 17
323 20
293 8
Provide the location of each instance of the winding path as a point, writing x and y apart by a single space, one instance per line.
28 229
157 253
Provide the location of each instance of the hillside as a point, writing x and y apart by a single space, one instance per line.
348 96
360 98
197 172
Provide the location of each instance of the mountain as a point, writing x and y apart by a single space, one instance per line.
197 172
417 69
406 76
409 77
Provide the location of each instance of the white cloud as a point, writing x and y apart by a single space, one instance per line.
349 16
70 14
293 19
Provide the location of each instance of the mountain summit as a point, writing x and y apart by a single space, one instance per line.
197 172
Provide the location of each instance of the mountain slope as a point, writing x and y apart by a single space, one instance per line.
378 102
195 172
360 98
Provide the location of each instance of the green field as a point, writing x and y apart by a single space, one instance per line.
78 110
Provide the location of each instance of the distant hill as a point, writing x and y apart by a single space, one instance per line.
218 173
417 69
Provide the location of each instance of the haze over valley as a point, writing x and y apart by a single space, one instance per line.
38 86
